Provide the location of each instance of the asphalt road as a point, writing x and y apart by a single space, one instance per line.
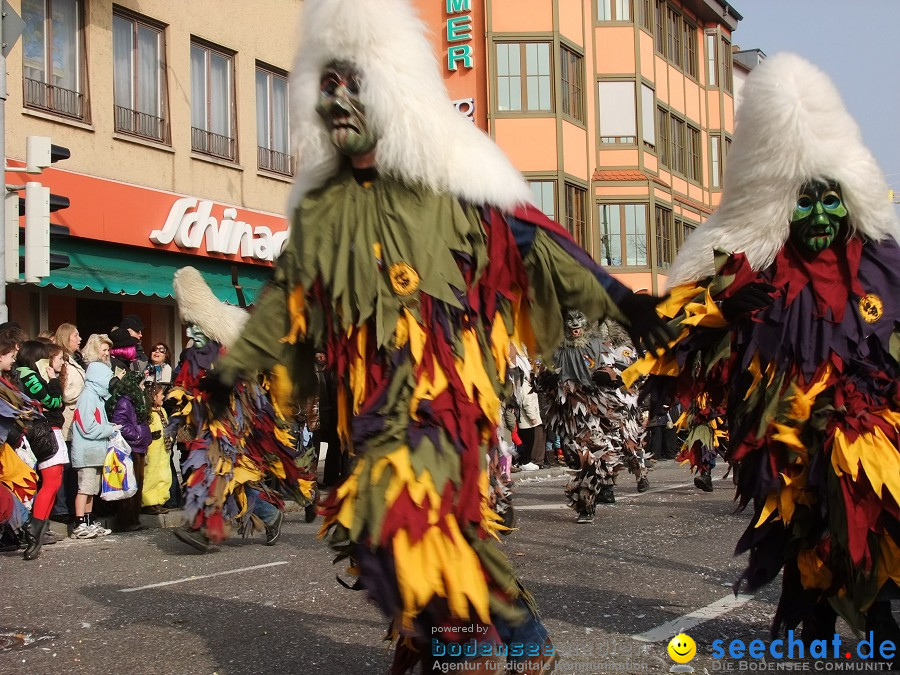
607 592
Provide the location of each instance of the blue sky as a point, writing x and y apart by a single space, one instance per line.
856 43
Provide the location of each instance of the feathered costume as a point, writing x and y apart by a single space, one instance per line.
810 383
597 418
415 275
252 450
18 481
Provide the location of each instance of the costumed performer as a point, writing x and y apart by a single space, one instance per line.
415 258
239 465
787 303
594 414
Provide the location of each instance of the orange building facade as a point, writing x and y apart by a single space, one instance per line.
618 112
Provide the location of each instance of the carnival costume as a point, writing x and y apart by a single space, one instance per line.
787 305
597 418
415 259
248 453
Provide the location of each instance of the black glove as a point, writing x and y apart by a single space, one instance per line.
218 392
747 300
645 327
156 435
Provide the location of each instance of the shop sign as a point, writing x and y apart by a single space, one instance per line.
191 225
459 29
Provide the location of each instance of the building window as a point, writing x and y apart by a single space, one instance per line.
623 235
662 131
530 85
712 72
618 121
139 78
613 10
690 48
694 166
213 128
659 37
715 161
664 251
572 71
647 15
53 56
727 66
272 130
544 192
576 207
682 232
678 150
673 37
647 108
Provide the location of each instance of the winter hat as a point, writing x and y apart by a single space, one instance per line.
132 321
122 338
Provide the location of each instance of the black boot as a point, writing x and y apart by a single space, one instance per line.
606 495
34 536
703 481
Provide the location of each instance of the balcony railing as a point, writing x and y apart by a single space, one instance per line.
141 124
55 99
272 160
212 144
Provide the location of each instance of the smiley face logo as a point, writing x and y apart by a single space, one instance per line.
682 648
404 279
871 308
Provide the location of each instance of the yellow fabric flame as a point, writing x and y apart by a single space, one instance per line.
814 573
297 309
801 402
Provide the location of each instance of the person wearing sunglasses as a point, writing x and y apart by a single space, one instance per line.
158 369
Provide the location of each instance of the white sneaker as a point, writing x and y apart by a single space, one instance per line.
83 531
99 530
531 466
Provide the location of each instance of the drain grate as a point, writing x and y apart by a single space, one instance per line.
17 641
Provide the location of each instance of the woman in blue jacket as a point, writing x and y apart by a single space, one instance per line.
128 408
91 431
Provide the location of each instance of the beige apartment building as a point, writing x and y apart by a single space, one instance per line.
175 114
619 113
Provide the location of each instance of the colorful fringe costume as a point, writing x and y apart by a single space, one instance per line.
18 481
810 383
597 418
415 262
248 454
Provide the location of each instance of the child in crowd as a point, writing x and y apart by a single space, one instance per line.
91 431
157 474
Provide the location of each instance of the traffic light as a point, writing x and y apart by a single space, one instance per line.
37 205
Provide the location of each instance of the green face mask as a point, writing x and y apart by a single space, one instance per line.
818 215
198 336
342 110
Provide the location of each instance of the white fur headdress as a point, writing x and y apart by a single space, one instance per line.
791 127
199 306
422 138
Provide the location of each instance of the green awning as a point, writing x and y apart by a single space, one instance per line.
129 270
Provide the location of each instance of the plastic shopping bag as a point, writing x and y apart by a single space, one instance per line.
118 481
25 454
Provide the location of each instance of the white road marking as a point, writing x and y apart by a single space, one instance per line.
202 576
672 628
632 495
